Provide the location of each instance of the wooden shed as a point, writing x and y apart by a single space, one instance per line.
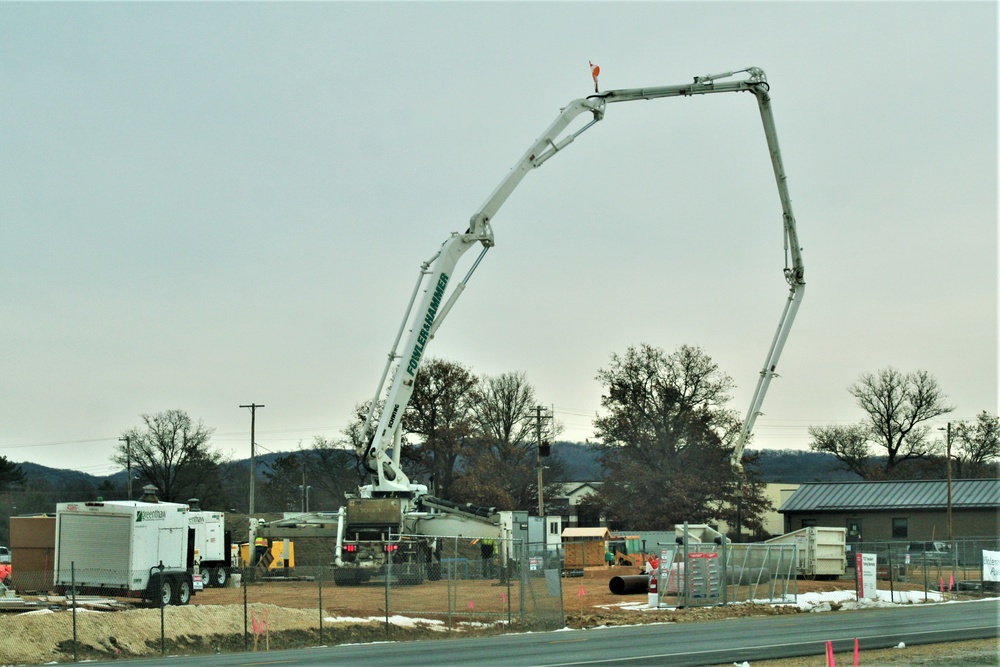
584 547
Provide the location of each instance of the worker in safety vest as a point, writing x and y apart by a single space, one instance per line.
260 548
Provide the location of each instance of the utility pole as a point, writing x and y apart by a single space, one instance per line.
948 454
128 463
543 450
253 479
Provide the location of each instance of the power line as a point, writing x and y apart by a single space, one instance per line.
56 444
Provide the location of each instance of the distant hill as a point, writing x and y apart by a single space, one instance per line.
580 462
58 477
798 467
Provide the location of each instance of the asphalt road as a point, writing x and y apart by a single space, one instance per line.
705 643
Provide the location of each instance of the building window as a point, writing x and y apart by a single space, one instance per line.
808 522
554 528
899 529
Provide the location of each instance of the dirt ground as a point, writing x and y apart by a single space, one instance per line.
287 613
589 602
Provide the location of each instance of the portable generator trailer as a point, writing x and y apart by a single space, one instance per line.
211 545
124 548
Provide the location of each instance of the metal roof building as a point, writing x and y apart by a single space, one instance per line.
897 509
898 494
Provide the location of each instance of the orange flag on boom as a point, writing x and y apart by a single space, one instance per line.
595 71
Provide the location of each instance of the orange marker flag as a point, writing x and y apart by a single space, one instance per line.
595 71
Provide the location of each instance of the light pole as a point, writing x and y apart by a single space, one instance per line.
304 495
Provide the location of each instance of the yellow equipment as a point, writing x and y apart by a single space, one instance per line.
280 555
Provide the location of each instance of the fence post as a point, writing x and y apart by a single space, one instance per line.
523 568
72 583
507 549
892 590
924 570
388 576
246 620
321 605
163 607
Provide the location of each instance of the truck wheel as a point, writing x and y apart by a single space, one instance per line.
220 577
182 591
206 574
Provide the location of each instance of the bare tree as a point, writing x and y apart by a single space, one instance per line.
504 411
897 408
895 433
172 453
848 443
977 444
333 469
502 464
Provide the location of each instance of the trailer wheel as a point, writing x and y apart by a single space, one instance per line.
166 589
220 577
182 591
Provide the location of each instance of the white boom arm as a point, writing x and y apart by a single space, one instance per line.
381 454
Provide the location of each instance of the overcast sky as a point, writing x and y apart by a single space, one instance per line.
209 205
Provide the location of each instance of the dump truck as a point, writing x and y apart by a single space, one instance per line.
124 548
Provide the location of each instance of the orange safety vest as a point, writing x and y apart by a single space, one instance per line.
260 542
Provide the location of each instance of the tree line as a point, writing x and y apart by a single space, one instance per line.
664 435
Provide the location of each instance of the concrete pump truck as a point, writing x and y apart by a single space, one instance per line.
393 520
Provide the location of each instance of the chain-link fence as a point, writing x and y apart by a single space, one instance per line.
475 587
946 566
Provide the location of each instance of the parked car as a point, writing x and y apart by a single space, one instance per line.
4 555
929 552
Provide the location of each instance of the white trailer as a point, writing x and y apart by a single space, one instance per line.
822 551
211 546
124 549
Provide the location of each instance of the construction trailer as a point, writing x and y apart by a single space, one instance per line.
124 548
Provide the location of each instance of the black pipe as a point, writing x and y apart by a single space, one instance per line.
629 584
